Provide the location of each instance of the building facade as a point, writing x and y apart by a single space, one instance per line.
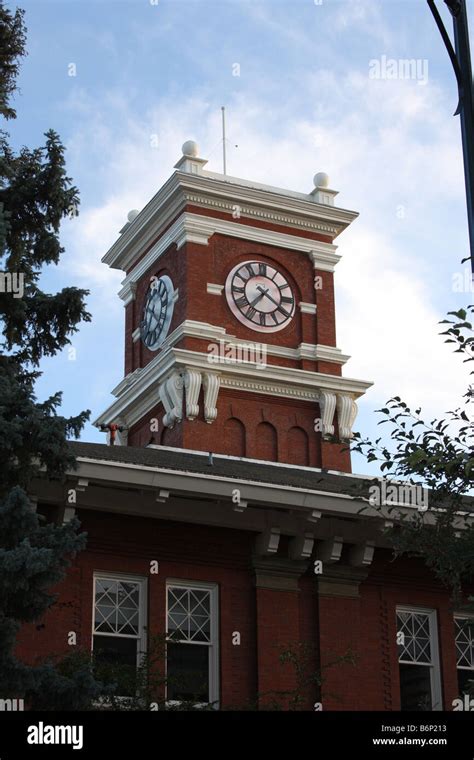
225 517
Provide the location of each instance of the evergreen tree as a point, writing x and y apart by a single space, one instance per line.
35 195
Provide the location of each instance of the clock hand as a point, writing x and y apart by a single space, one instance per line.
279 306
263 293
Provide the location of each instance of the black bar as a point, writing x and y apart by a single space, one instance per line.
317 734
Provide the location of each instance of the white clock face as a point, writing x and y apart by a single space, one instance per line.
260 296
157 312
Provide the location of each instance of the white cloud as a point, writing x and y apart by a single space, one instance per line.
387 322
383 144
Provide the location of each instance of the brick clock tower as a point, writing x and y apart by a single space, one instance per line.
230 340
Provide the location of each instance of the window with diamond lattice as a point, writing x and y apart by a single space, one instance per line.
192 664
414 642
420 686
118 634
464 629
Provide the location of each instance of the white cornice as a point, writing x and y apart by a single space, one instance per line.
199 229
141 395
214 333
324 256
253 200
181 483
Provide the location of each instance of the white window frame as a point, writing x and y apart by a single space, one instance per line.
462 616
142 609
214 630
435 669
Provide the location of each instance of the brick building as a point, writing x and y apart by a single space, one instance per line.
226 514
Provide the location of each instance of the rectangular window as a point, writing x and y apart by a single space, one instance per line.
118 640
464 631
417 639
192 648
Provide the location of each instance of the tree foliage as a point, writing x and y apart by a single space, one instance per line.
35 196
437 455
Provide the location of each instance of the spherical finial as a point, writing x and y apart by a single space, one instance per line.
321 179
132 214
190 148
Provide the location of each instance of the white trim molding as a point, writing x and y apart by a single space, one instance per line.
213 289
223 193
307 308
195 228
421 656
167 371
214 333
141 582
212 644
323 256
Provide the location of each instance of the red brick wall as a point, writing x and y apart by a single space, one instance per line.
190 269
250 409
367 626
277 632
174 265
292 420
268 620
188 552
194 265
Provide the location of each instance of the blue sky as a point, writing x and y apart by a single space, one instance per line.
157 74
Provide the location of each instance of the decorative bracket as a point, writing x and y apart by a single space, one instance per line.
361 555
268 541
122 434
239 506
68 514
211 384
346 414
192 384
314 516
327 404
330 551
301 547
171 396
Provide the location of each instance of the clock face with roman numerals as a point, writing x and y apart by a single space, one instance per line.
157 312
260 296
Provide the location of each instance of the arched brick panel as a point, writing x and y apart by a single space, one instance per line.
234 437
267 442
298 446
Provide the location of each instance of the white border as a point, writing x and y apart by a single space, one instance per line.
214 695
435 671
142 614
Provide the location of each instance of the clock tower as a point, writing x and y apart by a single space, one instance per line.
230 341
